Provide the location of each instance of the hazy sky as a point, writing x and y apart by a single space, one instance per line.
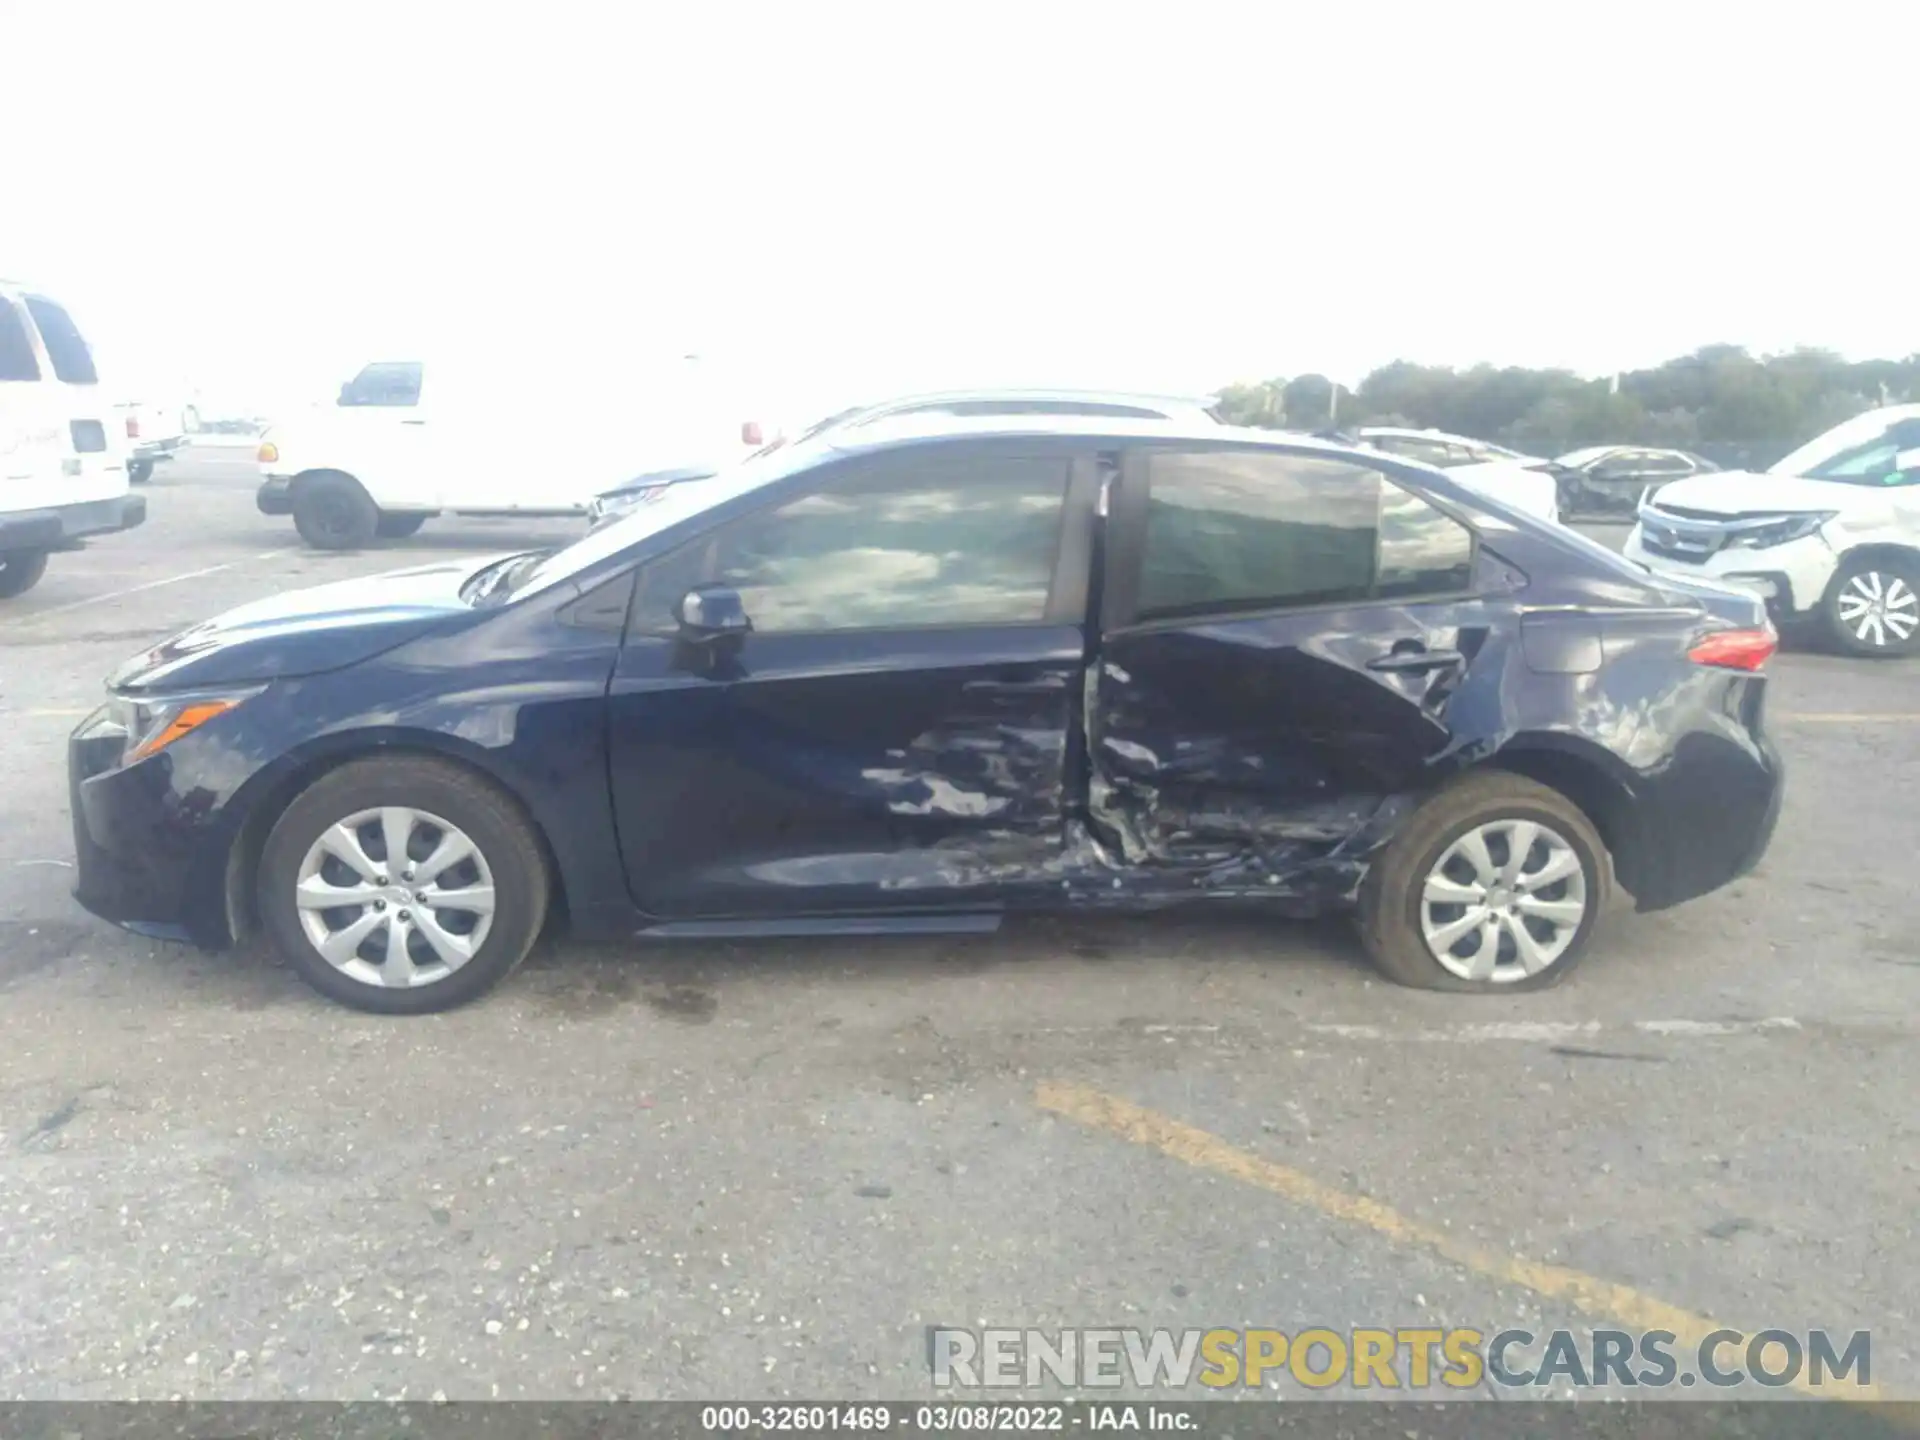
866 198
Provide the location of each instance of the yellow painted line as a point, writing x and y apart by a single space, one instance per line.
1884 718
1205 1151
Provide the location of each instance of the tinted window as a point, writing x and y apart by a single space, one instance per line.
17 360
902 543
72 362
384 384
1875 463
1244 531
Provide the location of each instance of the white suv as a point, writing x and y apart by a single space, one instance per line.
1830 533
63 470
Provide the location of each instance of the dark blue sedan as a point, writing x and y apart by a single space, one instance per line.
923 675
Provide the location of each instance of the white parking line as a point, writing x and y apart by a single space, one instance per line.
150 585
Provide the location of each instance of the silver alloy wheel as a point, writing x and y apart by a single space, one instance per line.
1879 609
1504 901
395 897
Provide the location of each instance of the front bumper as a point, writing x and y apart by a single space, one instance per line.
59 526
1791 578
145 859
276 495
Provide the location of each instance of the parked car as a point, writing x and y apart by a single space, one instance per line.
1523 480
479 435
1830 534
644 489
1608 482
915 676
63 474
155 434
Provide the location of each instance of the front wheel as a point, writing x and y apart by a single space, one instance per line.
1873 606
20 571
332 512
403 885
1494 885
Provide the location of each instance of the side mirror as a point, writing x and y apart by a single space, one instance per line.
709 613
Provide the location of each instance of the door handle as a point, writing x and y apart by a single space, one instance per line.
413 422
1414 661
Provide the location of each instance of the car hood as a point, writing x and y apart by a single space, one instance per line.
303 632
1743 492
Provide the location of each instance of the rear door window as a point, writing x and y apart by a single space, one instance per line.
1231 531
17 360
66 347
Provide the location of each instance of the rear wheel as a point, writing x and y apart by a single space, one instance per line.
403 885
333 512
1494 885
139 472
20 571
398 527
1873 606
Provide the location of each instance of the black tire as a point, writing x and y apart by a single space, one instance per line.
139 472
502 835
332 512
398 527
1391 896
20 571
1889 581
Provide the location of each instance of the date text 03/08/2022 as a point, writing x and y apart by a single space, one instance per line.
940 1418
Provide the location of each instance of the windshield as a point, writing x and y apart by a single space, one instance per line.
676 504
1841 452
1574 459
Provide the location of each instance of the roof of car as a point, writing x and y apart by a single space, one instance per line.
909 429
991 394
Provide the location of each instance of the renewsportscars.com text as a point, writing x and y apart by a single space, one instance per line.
1401 1358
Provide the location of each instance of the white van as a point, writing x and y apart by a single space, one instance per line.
481 435
63 468
1829 533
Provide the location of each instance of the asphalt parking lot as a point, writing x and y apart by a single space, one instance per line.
762 1170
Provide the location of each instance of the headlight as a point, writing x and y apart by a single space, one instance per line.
150 724
1781 531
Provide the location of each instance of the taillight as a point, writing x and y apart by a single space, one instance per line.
133 427
1736 649
750 433
268 453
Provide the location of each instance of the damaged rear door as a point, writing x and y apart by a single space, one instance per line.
894 733
1285 637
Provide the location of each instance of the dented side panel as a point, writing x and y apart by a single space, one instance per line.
859 771
1268 756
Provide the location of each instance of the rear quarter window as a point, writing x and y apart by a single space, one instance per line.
17 360
66 347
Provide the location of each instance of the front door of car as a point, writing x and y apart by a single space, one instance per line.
1289 643
894 733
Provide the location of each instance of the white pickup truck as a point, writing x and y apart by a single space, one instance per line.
155 434
473 435
63 473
